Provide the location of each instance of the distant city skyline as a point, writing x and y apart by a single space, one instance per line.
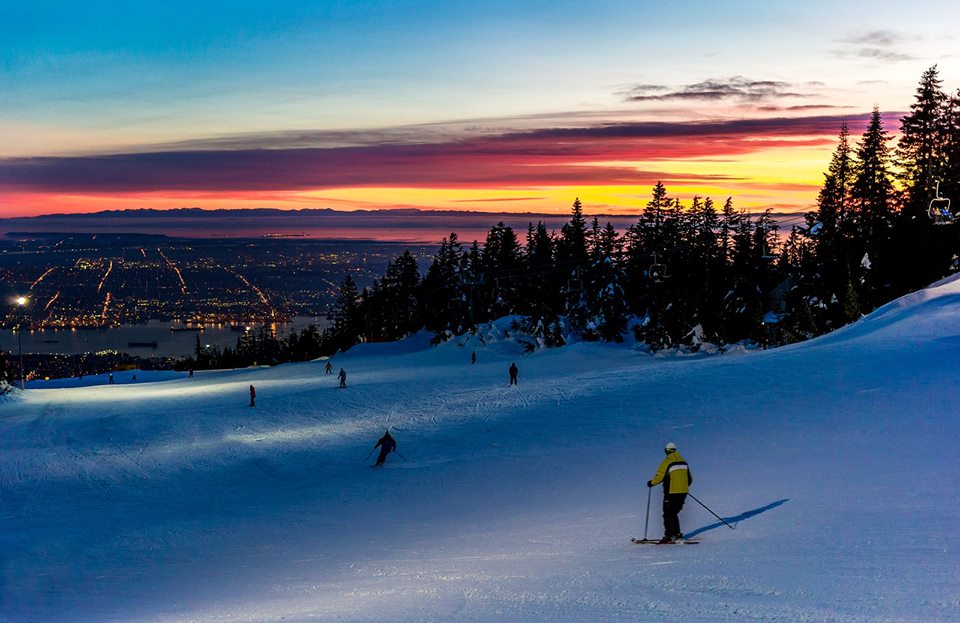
510 107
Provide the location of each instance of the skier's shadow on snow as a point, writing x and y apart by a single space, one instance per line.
734 520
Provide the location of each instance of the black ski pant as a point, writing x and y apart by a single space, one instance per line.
513 379
383 455
672 504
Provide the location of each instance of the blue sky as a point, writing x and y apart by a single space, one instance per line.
116 77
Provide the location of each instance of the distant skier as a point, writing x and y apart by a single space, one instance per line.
328 369
675 475
387 444
253 395
110 381
190 376
343 377
134 377
513 373
473 357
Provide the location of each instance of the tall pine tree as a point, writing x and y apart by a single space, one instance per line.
872 195
922 145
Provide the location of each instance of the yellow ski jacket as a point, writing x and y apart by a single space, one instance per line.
674 473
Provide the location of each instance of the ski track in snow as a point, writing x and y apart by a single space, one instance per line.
171 500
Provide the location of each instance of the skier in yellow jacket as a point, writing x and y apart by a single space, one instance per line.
675 475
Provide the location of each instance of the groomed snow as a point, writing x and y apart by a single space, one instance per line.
170 499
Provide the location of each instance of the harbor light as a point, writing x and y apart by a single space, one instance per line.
21 303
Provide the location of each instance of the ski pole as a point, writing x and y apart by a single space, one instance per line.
400 455
371 452
711 512
647 522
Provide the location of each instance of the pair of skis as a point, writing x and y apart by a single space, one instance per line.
661 542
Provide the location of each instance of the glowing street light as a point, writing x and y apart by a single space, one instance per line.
21 303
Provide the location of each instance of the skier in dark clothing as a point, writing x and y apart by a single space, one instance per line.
253 395
675 475
513 373
111 378
387 445
473 357
343 377
190 376
328 369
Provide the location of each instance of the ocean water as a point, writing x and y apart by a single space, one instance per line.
168 343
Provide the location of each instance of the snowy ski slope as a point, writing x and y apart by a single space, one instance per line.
172 500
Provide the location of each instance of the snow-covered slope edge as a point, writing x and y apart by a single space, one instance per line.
933 312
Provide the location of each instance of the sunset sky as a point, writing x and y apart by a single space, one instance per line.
494 106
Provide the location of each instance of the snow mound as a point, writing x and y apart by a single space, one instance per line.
416 343
933 312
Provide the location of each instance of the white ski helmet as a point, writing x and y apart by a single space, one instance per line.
670 447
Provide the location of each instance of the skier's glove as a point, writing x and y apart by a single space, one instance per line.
649 483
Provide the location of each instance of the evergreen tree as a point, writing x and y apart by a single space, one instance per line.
708 268
743 304
678 297
833 232
471 267
950 184
729 223
923 139
572 243
594 241
872 195
644 247
398 300
4 373
344 316
445 295
765 236
834 200
795 254
541 280
572 259
500 263
660 233
607 310
652 220
924 251
872 192
391 308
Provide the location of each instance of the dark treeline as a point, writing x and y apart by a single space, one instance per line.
5 374
684 274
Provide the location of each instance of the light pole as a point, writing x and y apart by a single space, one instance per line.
21 303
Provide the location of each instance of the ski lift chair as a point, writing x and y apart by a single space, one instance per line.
766 251
657 271
939 209
496 292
